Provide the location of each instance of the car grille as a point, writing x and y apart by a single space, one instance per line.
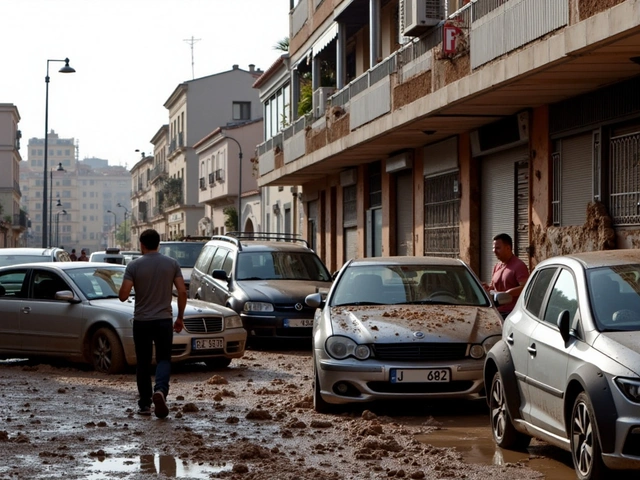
449 387
290 308
417 352
203 324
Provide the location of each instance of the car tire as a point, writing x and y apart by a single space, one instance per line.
504 433
107 354
585 442
319 405
217 363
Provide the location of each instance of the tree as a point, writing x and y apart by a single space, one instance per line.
282 45
231 219
172 192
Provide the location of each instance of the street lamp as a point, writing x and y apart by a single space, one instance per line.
239 180
65 69
126 212
115 223
63 212
59 169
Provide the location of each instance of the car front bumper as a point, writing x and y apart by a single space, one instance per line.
234 342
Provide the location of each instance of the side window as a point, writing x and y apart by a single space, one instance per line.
218 259
205 257
537 290
563 297
11 284
46 284
227 265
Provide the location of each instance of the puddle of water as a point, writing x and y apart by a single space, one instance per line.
476 445
167 465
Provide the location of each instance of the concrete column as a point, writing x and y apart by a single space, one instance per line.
315 73
418 205
295 93
374 32
341 54
540 180
469 204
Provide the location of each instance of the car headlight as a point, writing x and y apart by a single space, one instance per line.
490 342
630 388
258 307
232 322
342 347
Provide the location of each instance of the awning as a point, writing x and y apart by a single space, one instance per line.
325 39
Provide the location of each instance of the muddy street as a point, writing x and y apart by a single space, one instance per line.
253 420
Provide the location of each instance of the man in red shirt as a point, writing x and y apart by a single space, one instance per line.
509 274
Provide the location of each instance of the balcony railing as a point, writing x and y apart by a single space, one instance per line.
158 210
157 171
219 175
20 220
16 187
202 184
212 179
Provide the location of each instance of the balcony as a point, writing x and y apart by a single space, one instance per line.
157 172
219 175
19 221
212 179
202 184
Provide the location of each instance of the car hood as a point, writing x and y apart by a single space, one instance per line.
623 347
280 291
193 307
437 323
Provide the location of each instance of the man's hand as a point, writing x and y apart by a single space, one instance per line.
178 325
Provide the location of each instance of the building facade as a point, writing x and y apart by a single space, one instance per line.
13 220
430 134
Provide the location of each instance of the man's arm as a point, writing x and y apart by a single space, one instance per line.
125 290
178 282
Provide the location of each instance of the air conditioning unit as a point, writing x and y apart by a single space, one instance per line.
320 99
418 16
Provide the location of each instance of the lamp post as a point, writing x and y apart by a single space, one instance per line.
59 169
115 223
63 212
239 181
65 69
126 212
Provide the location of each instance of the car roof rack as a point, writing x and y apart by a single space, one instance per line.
193 238
235 237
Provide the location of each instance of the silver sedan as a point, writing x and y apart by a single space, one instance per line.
71 310
402 328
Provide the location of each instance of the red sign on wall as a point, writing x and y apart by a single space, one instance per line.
450 39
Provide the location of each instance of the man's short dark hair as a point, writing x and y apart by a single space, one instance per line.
150 239
504 238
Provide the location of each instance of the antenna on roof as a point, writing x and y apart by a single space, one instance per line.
191 41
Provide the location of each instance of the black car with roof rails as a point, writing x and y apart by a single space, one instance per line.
263 276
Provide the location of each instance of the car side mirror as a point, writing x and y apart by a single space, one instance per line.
564 324
67 296
314 300
220 275
502 298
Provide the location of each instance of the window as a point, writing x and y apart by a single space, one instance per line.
624 196
241 110
563 297
538 289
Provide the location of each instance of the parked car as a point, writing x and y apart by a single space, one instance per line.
402 328
186 252
72 310
265 278
110 255
567 369
14 256
130 255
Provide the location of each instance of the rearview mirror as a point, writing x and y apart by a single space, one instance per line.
314 300
502 298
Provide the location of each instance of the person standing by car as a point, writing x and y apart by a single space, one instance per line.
509 274
73 255
153 277
83 256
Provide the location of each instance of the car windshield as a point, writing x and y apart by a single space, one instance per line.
615 297
281 266
186 253
6 260
408 285
98 282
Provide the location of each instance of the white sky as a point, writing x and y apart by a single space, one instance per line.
129 56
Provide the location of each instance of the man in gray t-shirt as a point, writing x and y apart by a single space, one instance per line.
153 277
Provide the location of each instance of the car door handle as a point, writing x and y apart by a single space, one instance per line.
532 349
509 339
25 309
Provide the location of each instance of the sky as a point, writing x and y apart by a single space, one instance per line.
129 56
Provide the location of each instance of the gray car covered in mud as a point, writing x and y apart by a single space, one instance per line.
402 328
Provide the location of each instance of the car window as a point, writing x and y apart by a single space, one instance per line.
227 265
281 265
11 283
186 253
205 257
46 284
218 259
537 289
98 282
614 294
564 296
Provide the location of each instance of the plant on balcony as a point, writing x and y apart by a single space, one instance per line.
231 219
172 192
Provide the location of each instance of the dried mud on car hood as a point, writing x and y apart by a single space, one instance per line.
439 323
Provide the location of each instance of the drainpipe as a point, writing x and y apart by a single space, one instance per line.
374 32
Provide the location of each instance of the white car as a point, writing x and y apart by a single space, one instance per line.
71 310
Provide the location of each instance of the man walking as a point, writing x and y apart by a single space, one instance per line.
509 274
153 277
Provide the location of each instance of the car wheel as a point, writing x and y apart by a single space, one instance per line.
217 363
107 354
585 444
504 433
319 405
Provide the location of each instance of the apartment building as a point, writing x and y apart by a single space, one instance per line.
80 194
435 125
142 197
196 108
13 220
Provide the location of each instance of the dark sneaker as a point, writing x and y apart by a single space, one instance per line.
146 411
159 402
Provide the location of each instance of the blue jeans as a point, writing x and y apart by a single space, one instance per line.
146 334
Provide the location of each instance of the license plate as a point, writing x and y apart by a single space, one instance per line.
298 322
420 375
206 343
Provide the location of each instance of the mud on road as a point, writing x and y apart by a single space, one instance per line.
253 420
